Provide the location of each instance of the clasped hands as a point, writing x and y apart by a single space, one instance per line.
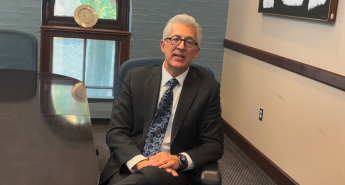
161 160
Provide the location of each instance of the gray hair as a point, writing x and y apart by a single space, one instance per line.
186 20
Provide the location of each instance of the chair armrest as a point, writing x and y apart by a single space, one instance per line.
210 175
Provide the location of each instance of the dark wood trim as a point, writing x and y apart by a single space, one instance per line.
100 100
47 32
320 75
101 120
45 10
122 22
332 10
271 169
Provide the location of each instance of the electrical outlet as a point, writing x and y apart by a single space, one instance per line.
261 113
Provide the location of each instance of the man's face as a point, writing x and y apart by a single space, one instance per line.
178 57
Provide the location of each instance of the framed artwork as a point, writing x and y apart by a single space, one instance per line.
322 10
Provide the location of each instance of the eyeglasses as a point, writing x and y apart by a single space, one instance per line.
176 40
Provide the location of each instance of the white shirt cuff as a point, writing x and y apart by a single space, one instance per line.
190 162
132 162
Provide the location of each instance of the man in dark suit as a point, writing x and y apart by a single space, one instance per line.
185 104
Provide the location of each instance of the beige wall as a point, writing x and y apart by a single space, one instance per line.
303 127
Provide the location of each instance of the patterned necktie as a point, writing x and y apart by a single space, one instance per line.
160 121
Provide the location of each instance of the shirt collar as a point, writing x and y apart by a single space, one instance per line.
166 76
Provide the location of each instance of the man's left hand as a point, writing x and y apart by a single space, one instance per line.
164 160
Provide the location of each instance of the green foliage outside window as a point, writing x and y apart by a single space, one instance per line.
106 9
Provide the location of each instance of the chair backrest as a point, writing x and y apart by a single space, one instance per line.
18 50
134 63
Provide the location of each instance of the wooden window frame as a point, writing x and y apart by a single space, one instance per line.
49 32
122 22
54 26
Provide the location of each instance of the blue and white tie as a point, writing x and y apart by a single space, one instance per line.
160 121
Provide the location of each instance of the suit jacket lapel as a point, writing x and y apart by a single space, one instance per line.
152 87
189 89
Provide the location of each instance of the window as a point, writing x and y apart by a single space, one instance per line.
106 9
88 60
112 14
89 55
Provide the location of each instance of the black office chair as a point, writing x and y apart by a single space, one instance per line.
18 50
210 174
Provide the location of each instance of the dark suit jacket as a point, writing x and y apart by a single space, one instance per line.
197 125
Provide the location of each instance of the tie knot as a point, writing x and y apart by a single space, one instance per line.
172 83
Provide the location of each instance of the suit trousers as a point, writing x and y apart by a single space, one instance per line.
149 175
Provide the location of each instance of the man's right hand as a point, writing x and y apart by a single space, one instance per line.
143 164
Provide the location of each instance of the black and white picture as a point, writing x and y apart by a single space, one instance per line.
312 9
